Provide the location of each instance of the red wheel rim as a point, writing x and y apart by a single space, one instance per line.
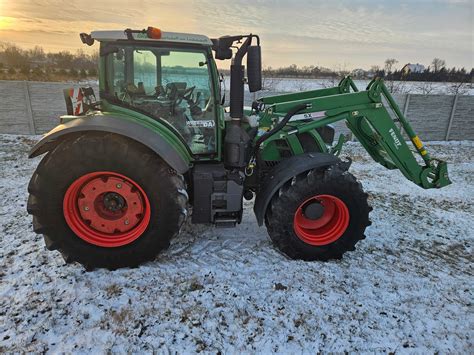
106 209
326 229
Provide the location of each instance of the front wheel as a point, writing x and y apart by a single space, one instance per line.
318 215
106 201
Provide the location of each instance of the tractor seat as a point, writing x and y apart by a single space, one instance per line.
141 89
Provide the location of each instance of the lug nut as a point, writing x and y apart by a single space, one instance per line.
86 208
119 186
127 222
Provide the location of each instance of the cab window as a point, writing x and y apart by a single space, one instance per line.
170 84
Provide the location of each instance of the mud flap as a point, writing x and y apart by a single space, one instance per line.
284 171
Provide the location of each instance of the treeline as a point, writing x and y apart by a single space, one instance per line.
437 72
311 71
444 74
452 75
35 64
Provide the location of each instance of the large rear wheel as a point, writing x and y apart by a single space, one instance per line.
106 201
318 215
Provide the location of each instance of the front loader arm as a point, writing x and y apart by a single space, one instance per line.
383 140
367 117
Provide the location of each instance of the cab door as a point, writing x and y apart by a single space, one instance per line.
169 84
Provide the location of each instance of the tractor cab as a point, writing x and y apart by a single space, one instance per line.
173 79
170 77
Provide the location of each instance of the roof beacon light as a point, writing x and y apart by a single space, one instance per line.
153 32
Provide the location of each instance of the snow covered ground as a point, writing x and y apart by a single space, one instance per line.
397 87
407 287
276 84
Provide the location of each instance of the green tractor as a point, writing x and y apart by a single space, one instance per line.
121 175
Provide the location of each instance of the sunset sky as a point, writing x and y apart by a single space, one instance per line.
335 34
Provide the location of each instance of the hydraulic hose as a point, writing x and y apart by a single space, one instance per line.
293 111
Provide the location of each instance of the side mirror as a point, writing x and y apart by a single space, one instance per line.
87 39
221 46
254 68
223 53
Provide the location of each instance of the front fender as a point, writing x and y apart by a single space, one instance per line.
156 138
283 172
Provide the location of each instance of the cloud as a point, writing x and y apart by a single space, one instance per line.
299 31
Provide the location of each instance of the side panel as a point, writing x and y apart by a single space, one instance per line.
283 172
116 124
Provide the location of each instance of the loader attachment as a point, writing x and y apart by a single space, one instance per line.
385 142
366 115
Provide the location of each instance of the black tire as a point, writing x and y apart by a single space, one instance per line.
331 181
91 152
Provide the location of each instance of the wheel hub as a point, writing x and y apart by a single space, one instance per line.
321 220
313 210
114 201
106 209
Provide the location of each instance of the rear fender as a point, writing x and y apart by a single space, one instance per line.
172 152
283 172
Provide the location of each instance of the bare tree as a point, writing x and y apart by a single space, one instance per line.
338 72
389 63
37 53
375 68
397 87
425 87
329 82
269 82
437 64
15 56
460 88
341 70
392 85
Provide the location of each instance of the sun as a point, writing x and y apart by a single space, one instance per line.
5 22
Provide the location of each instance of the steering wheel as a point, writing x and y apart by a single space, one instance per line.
186 95
127 93
193 102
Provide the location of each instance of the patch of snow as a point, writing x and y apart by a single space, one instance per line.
407 287
399 87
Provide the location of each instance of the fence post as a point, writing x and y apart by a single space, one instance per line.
29 110
451 117
405 109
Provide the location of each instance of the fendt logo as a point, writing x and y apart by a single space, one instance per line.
395 138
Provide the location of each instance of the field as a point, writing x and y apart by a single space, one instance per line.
396 87
275 84
407 287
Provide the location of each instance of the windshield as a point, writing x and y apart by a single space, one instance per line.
169 84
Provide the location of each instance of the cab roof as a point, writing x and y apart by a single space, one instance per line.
165 37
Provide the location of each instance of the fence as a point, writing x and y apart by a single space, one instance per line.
29 107
33 108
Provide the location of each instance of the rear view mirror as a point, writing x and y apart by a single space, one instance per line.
221 46
254 68
161 52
